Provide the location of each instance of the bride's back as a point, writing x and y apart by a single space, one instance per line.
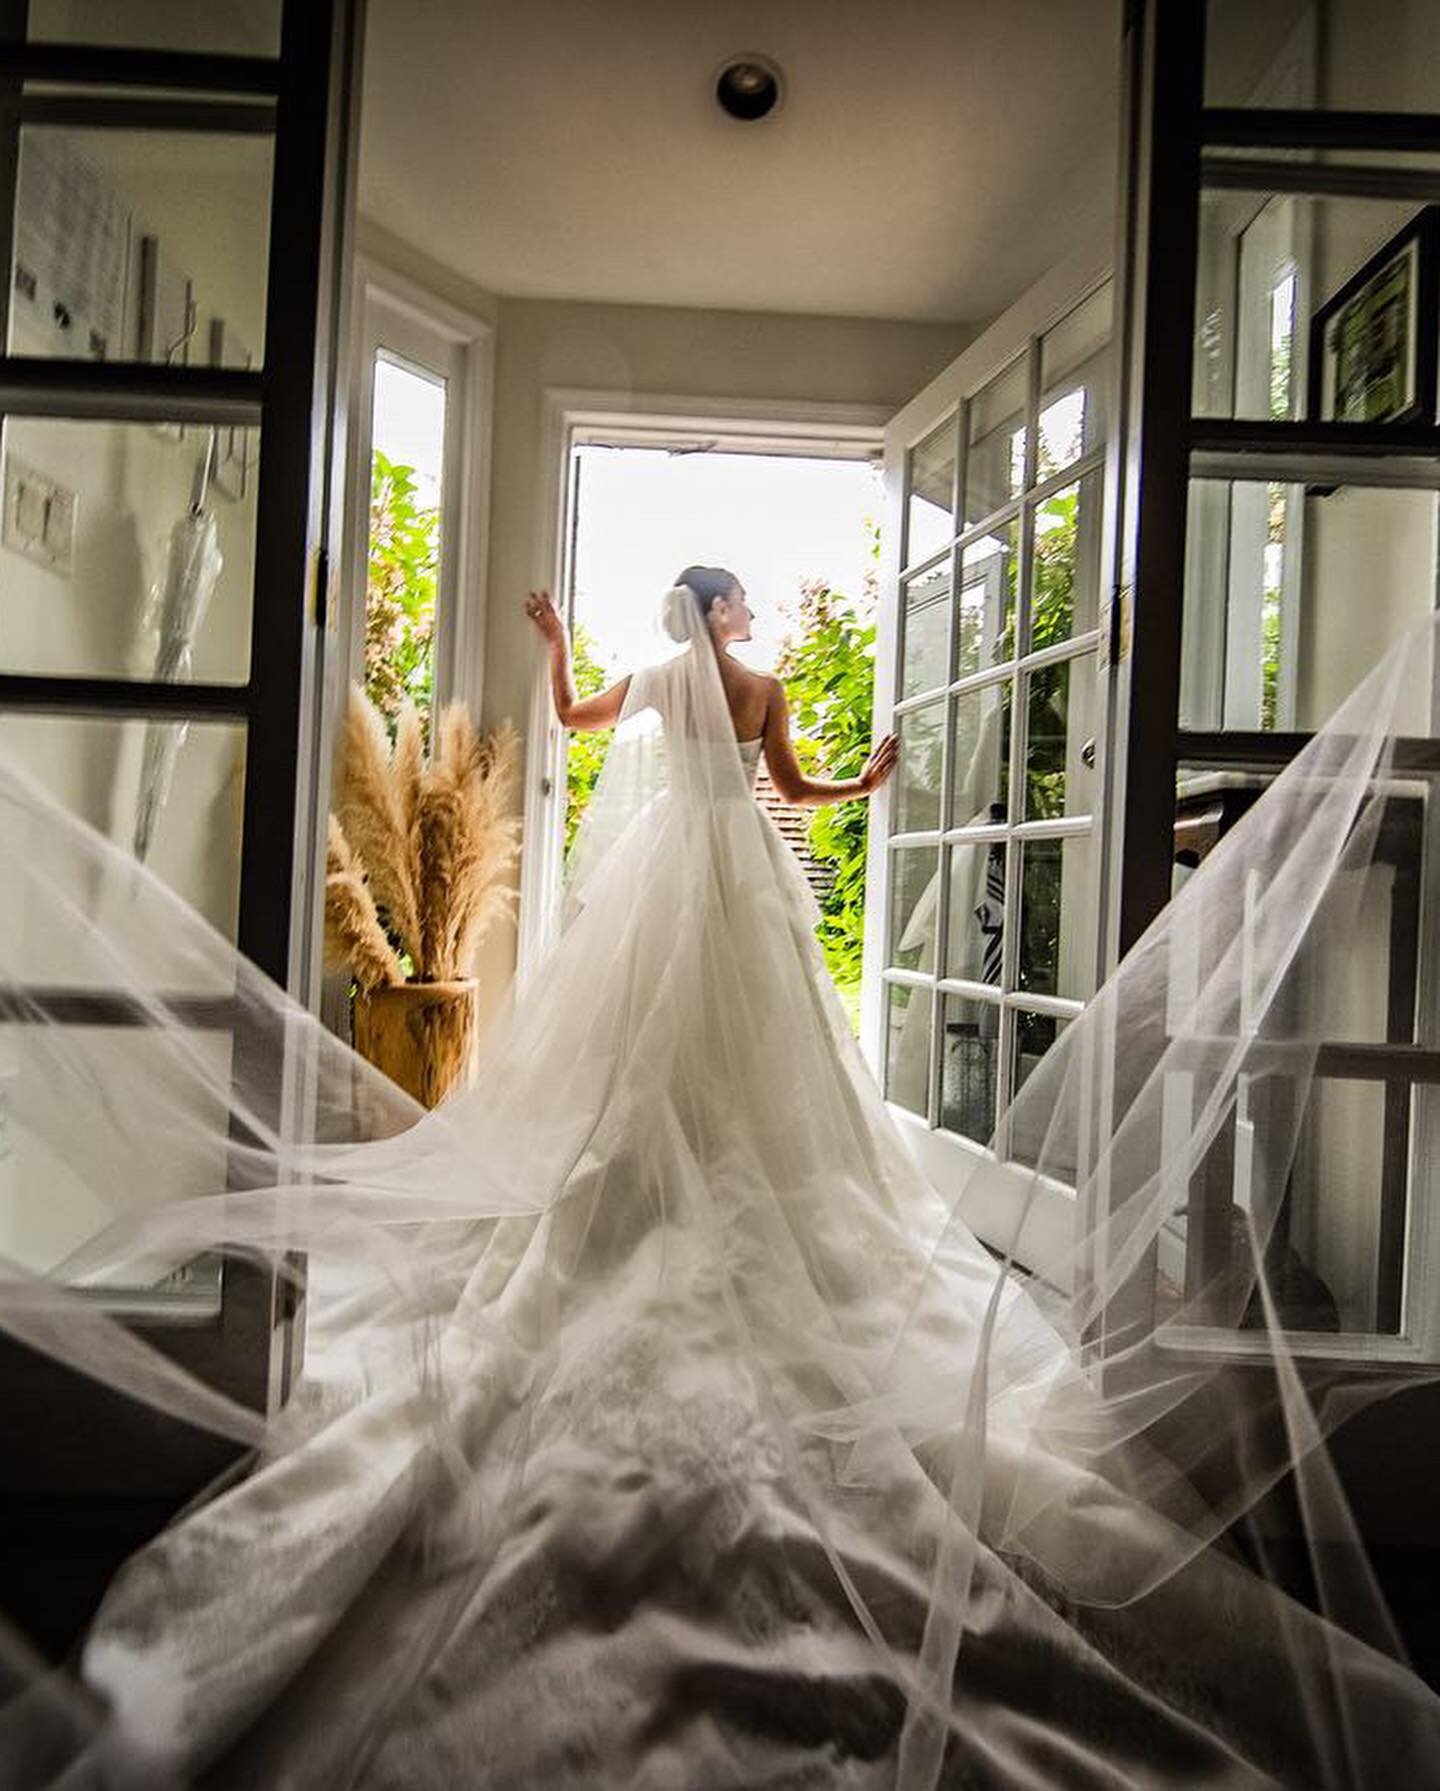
747 697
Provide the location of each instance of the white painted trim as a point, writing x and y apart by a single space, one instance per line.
1065 286
1044 1243
564 410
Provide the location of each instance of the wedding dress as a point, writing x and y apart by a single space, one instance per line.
662 1425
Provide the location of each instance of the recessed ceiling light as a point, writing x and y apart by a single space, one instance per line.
748 88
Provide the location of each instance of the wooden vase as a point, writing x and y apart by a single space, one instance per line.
422 1035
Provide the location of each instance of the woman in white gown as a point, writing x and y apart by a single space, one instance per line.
662 1425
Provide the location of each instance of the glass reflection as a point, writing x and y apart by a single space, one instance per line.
995 468
974 950
1291 596
922 744
1041 1132
1065 555
929 511
1059 744
927 631
968 1076
1057 904
914 907
988 574
980 756
166 261
1074 370
909 1013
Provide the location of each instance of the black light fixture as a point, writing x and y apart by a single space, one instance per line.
748 88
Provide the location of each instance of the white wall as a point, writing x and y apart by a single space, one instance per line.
1370 571
1380 55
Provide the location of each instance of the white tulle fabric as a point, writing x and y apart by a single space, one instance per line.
661 1424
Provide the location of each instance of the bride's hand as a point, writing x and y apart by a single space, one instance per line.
880 764
543 613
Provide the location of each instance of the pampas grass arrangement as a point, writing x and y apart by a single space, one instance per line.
414 878
418 848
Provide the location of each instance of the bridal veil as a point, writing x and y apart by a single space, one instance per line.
661 1422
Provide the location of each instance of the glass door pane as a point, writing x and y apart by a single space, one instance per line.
1291 596
141 245
106 571
930 494
995 466
238 28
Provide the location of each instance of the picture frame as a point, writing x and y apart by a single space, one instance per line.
1375 342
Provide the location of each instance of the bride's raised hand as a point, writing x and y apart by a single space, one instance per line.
880 764
543 613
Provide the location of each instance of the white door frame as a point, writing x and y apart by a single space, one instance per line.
753 425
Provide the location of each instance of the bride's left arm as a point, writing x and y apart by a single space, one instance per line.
788 775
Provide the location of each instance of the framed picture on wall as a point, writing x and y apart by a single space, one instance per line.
1373 344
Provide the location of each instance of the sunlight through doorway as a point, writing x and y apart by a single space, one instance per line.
801 532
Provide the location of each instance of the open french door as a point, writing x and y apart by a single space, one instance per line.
985 911
180 362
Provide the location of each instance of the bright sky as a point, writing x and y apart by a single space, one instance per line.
409 423
772 520
645 515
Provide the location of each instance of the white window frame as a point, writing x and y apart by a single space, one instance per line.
397 313
573 416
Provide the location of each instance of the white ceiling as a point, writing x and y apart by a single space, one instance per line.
931 157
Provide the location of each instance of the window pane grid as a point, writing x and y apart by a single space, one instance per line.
998 674
965 947
1021 507
1090 463
931 486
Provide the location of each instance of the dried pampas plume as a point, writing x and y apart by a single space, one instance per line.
418 850
354 939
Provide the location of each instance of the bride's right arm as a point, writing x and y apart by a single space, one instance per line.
583 714
788 775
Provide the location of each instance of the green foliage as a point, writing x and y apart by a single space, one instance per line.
587 751
1052 620
1271 610
827 665
403 573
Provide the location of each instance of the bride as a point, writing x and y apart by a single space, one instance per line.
757 704
662 1425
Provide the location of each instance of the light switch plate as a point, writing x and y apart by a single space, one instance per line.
39 517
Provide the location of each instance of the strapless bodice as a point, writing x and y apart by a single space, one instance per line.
750 758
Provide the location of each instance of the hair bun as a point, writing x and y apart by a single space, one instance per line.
677 607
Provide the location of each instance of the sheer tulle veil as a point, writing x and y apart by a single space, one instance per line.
670 1256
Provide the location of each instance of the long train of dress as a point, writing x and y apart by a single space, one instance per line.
663 1426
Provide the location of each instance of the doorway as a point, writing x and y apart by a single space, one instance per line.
798 520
